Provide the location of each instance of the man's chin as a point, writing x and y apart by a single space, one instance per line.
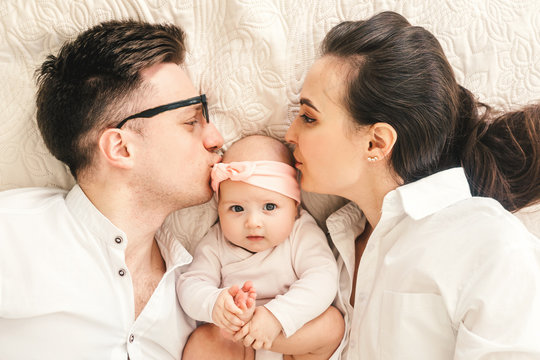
205 196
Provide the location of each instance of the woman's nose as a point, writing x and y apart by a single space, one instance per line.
290 135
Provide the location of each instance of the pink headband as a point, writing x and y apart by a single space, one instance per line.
271 175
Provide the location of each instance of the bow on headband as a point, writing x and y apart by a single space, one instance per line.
271 175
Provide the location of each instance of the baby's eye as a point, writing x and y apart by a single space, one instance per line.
307 119
237 208
270 207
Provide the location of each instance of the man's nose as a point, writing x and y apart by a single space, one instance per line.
212 138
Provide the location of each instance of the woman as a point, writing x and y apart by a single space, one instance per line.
427 271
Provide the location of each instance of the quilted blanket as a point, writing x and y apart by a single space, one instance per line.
250 58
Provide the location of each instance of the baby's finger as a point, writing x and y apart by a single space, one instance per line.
241 334
257 344
248 340
231 306
248 285
231 328
233 320
233 290
267 345
250 302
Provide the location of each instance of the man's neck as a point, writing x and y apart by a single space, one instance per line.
139 221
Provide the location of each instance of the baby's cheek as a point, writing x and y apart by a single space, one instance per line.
283 230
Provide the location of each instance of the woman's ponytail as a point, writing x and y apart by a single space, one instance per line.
501 155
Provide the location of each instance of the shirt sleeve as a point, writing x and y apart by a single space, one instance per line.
499 309
316 287
198 287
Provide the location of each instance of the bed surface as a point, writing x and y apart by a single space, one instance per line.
250 58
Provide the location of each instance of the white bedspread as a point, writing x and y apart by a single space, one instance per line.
250 58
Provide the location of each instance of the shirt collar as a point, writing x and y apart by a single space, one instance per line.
430 194
344 226
90 217
105 231
172 250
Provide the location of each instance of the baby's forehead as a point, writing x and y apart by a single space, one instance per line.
235 191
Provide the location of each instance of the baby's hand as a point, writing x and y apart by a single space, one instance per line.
261 331
225 313
245 300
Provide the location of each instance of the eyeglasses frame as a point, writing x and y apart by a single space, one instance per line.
200 99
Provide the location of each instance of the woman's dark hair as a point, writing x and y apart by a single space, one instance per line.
85 87
398 74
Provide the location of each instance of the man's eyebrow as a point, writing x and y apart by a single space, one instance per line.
307 102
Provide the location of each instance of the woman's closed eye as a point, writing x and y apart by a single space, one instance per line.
270 207
236 208
307 119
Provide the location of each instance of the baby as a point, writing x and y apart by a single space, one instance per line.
266 267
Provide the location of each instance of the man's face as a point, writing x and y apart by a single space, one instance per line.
176 151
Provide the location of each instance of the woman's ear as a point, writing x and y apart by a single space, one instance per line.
115 149
383 137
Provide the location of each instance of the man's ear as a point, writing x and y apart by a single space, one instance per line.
115 148
383 137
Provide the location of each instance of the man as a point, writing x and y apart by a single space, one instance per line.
86 273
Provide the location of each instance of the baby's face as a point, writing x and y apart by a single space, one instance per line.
254 218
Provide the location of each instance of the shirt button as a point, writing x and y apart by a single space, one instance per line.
131 338
118 239
121 272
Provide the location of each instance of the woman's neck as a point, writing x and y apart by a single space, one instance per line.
370 197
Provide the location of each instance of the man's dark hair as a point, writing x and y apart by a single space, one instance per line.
83 89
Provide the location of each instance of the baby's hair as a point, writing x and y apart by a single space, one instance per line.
258 147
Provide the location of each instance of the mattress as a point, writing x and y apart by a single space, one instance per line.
250 58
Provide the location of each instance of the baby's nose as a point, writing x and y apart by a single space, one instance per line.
253 221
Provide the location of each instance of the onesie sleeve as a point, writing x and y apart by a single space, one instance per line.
316 287
198 287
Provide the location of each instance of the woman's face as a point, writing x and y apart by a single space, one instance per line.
330 151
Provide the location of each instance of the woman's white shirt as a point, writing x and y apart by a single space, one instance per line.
444 275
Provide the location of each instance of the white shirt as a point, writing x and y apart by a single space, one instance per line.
295 280
65 290
443 276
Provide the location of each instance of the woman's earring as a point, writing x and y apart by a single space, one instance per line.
372 158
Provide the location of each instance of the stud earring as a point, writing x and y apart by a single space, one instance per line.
374 158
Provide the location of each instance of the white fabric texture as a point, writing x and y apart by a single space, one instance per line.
251 57
434 284
79 306
296 280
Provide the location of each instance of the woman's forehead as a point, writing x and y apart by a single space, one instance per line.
325 82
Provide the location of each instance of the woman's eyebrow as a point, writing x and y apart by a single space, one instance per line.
307 102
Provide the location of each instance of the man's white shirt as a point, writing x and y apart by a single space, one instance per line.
65 289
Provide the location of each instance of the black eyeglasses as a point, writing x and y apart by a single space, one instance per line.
201 99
